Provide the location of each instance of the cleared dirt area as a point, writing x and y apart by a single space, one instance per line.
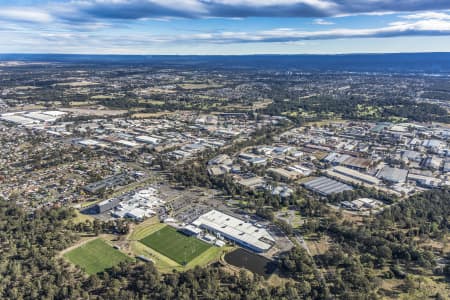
320 246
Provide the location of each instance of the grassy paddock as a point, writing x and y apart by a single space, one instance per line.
146 228
176 246
95 256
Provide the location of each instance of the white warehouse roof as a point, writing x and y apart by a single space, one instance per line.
37 115
18 119
236 229
147 139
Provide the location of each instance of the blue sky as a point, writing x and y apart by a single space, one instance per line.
223 26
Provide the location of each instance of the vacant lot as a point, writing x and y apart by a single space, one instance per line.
199 86
95 256
175 245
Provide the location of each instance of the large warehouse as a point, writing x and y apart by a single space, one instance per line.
326 186
393 175
365 178
236 230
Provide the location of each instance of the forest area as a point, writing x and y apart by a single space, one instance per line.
31 269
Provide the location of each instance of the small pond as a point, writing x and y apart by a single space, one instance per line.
256 263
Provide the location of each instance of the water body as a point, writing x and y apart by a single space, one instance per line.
255 263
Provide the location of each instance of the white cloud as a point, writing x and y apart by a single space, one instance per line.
322 4
138 9
25 15
79 11
394 29
428 15
322 22
87 23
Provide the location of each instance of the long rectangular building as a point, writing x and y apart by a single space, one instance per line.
106 205
109 182
326 186
17 119
357 175
241 232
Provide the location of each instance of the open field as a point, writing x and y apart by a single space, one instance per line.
81 218
167 265
423 287
176 246
146 228
95 256
318 246
199 86
162 262
210 255
28 107
152 102
81 103
326 122
149 115
102 97
77 83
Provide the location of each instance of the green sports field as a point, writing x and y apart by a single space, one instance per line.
176 246
95 256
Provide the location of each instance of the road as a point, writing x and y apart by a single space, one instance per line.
302 243
300 240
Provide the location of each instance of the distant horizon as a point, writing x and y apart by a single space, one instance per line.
401 63
253 54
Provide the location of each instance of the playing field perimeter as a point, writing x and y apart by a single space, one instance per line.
96 256
176 246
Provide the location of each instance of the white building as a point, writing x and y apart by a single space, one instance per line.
148 140
241 232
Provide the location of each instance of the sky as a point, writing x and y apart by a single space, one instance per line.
224 26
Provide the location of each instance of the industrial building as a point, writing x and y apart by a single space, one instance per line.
411 156
357 163
362 204
110 182
446 168
240 232
148 140
137 214
138 205
190 230
284 174
36 115
335 158
17 119
253 182
433 162
346 172
393 175
32 117
106 205
425 181
303 171
126 143
222 159
326 186
434 145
